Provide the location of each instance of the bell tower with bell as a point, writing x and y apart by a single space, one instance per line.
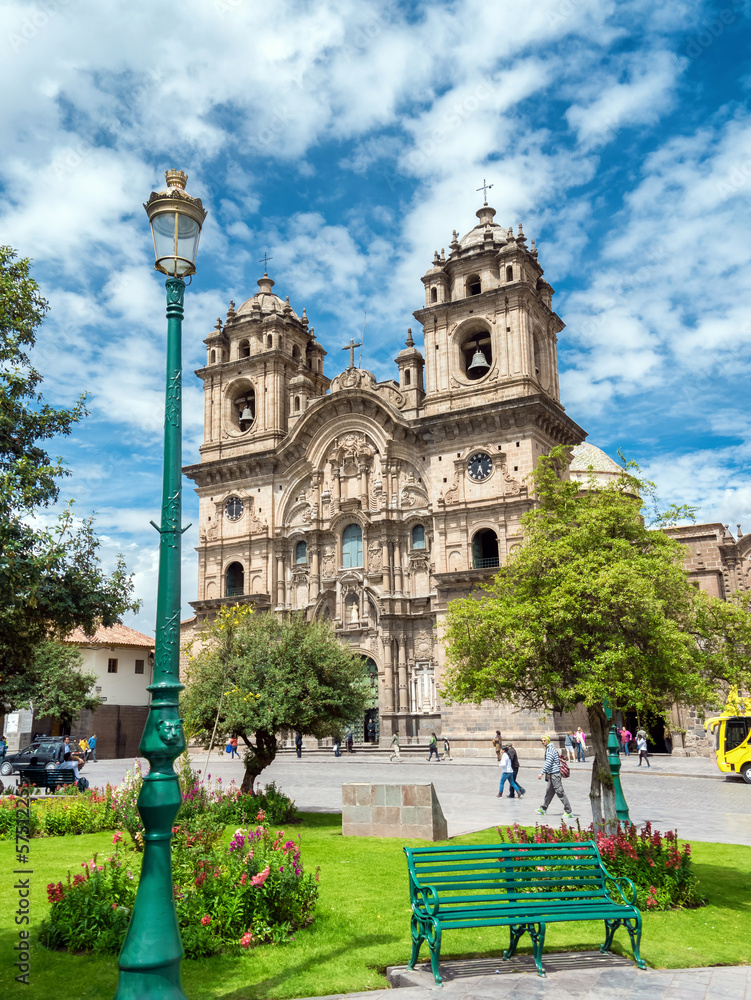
490 331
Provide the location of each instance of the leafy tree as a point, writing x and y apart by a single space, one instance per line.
59 688
51 580
594 605
257 673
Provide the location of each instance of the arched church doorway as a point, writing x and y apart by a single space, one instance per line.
371 726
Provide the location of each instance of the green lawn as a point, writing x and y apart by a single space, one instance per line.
362 924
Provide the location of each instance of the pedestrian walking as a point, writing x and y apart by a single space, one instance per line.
396 750
497 742
641 746
551 770
568 745
581 745
446 749
514 766
298 744
233 751
337 745
507 774
3 748
92 747
433 748
626 738
668 737
348 739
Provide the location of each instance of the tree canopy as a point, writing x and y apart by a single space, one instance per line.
594 605
51 579
255 674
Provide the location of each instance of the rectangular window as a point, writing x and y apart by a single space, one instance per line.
111 666
139 666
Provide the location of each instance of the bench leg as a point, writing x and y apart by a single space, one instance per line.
633 926
537 933
418 936
434 943
516 932
611 926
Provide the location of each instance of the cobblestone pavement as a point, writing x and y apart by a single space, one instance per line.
570 976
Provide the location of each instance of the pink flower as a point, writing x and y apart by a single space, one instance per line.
261 816
205 920
117 837
261 877
114 906
246 939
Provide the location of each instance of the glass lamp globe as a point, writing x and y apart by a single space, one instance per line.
176 220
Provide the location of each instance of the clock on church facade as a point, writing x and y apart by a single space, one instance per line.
374 503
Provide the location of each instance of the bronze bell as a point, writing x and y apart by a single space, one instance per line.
478 361
246 415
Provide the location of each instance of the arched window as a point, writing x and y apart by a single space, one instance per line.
474 285
243 349
352 546
245 409
418 537
485 550
433 294
301 553
269 341
477 354
213 358
297 404
538 355
295 352
407 377
509 273
235 580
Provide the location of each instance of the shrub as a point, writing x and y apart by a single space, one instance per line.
660 870
64 813
253 891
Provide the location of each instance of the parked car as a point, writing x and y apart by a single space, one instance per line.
45 750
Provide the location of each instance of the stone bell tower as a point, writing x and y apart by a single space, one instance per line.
490 332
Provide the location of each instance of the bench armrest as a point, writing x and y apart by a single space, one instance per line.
426 896
626 883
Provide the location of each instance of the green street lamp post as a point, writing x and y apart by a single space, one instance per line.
614 760
152 952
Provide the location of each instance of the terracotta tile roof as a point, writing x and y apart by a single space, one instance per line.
116 635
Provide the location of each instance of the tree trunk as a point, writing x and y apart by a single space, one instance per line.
601 792
257 758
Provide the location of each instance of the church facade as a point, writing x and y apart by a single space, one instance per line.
374 503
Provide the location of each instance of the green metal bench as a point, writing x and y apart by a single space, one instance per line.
42 778
520 886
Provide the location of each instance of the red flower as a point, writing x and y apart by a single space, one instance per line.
205 920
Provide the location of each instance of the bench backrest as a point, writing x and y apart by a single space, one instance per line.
34 775
507 872
61 776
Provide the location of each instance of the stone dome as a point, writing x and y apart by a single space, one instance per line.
476 237
268 302
584 456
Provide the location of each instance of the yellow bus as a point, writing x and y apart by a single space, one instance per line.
732 743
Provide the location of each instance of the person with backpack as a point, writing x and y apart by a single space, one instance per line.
551 770
507 774
514 767
433 748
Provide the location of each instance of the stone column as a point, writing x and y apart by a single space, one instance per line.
280 580
388 675
386 584
403 689
398 571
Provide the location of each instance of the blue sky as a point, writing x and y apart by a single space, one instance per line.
347 140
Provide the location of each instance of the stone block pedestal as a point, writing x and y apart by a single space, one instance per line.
409 811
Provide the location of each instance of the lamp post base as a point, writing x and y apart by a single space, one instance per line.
162 983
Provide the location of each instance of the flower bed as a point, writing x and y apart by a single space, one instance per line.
227 898
69 811
658 867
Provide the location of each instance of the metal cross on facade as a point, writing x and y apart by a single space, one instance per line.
485 188
266 259
351 348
